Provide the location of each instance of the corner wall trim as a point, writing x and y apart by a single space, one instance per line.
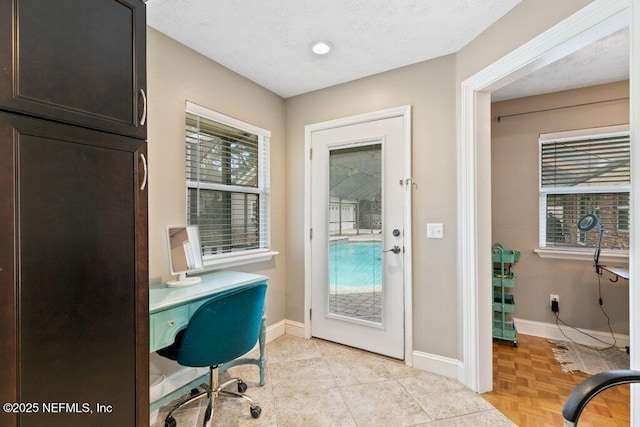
275 330
440 365
294 328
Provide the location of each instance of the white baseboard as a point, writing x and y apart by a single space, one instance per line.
440 365
433 363
288 327
551 331
295 329
275 330
453 368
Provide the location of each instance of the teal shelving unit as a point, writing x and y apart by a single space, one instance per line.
503 301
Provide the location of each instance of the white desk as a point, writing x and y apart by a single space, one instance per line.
171 308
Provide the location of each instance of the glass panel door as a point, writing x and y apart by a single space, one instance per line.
355 233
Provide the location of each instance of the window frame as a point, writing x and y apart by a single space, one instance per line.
234 258
576 252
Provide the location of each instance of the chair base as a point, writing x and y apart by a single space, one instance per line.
212 391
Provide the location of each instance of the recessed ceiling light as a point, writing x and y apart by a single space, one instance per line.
321 47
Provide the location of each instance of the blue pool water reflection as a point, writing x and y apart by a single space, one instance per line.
355 266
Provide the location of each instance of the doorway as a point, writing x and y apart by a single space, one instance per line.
358 248
592 22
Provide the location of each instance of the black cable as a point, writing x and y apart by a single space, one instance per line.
609 345
603 311
600 301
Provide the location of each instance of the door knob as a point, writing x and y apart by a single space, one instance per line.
396 249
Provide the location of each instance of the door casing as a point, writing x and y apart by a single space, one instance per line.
405 113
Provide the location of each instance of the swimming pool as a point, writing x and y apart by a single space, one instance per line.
355 266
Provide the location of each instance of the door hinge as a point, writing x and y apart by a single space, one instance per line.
310 233
310 153
310 312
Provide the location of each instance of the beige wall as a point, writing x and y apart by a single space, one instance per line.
514 162
177 74
431 88
524 22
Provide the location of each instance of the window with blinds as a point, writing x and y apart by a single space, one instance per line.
585 172
227 177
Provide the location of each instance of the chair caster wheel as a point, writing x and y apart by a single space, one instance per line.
255 411
515 344
242 387
170 422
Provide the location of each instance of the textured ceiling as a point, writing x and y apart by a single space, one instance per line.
604 61
268 41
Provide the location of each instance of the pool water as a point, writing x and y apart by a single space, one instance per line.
355 266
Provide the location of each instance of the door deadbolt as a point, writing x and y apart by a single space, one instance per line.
396 232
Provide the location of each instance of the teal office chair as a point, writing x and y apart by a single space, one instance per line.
221 330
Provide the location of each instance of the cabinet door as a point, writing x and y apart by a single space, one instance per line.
74 278
75 61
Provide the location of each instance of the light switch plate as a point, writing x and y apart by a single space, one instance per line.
435 231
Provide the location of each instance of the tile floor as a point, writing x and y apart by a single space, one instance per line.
317 383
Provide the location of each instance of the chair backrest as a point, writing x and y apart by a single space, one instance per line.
224 328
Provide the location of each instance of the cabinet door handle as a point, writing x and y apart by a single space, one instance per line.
144 165
144 107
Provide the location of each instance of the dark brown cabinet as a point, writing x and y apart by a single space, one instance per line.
75 61
74 346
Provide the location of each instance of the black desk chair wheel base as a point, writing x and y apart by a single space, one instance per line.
224 328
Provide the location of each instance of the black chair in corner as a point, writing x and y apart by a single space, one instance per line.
589 388
221 330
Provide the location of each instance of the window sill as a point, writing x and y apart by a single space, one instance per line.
580 255
235 260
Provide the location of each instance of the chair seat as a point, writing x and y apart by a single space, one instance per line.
224 328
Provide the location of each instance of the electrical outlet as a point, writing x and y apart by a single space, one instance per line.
553 298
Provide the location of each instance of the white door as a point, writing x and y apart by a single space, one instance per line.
357 243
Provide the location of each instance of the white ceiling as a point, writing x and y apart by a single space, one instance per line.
604 61
268 41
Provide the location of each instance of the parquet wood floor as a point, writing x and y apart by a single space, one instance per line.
530 388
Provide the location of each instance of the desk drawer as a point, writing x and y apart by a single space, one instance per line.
166 324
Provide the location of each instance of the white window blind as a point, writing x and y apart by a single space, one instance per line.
227 177
584 173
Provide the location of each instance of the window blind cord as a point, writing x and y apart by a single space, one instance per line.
199 154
